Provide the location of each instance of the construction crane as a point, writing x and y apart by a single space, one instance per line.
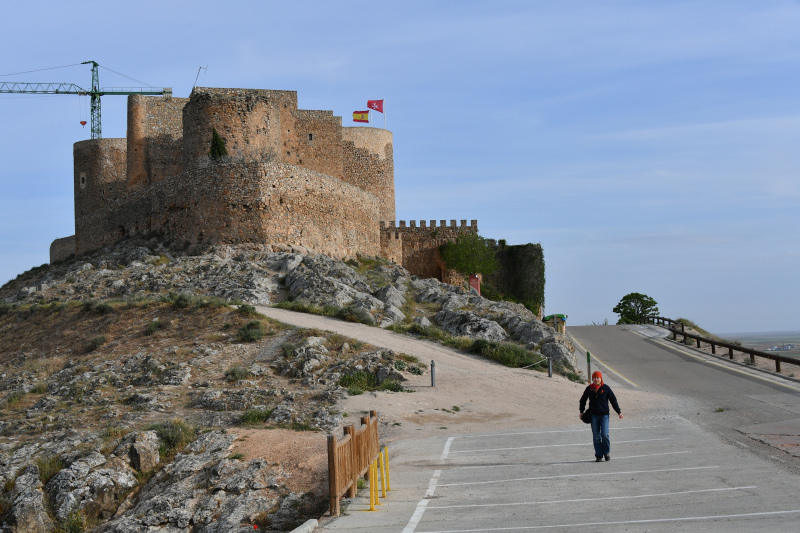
96 92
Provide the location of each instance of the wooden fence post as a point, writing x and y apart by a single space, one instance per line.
351 430
333 475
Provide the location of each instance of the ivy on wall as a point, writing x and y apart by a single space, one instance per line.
521 273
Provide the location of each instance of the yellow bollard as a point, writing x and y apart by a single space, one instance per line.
375 477
371 490
383 475
386 466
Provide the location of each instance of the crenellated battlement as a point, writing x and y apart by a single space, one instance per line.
412 225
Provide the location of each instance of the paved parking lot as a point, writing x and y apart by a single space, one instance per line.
665 474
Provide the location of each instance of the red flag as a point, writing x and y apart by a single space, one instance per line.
361 116
377 105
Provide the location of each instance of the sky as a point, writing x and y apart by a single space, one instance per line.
648 146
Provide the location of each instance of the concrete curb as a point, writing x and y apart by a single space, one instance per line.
308 527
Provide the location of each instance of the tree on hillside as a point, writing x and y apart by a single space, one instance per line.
634 307
218 149
470 254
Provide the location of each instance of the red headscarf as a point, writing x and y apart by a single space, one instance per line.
597 374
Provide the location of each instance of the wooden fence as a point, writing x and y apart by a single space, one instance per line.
673 327
349 458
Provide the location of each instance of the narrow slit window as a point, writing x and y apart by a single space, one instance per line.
310 136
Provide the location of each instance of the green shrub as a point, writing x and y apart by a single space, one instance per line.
182 301
48 467
505 353
74 523
360 382
251 332
236 373
399 364
254 416
14 398
416 370
174 434
154 326
95 343
330 310
354 314
288 350
247 310
97 308
39 388
5 308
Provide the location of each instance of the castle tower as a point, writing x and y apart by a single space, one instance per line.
369 164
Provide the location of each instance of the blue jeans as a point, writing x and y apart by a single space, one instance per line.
602 444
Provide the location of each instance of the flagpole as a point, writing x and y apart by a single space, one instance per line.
384 113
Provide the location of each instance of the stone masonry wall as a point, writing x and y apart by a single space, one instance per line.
62 249
421 244
264 203
99 173
155 139
318 143
251 122
369 164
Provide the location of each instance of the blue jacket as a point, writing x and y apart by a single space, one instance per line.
598 401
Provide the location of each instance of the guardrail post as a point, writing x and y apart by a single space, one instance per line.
752 359
589 366
433 373
713 348
730 353
549 367
777 366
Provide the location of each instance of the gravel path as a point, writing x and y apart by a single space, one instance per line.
471 394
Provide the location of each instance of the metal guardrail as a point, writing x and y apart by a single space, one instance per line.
673 327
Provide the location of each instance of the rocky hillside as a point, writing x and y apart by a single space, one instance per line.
127 379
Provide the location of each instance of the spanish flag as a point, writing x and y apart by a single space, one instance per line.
361 116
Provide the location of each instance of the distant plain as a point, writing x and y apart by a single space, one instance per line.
765 341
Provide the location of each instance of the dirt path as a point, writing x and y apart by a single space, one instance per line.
471 394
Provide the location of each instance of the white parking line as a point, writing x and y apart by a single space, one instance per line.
650 521
578 475
539 463
615 428
446 449
555 445
594 499
420 510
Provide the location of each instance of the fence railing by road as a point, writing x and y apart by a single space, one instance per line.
349 458
714 343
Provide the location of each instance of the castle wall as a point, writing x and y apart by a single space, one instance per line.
155 139
318 142
263 203
369 164
99 173
392 246
421 244
256 125
62 249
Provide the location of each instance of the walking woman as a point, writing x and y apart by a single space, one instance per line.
599 394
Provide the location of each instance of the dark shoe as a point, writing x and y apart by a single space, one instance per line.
608 457
598 459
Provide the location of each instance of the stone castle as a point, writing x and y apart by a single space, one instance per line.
292 176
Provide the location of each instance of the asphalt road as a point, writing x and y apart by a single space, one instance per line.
682 467
718 396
